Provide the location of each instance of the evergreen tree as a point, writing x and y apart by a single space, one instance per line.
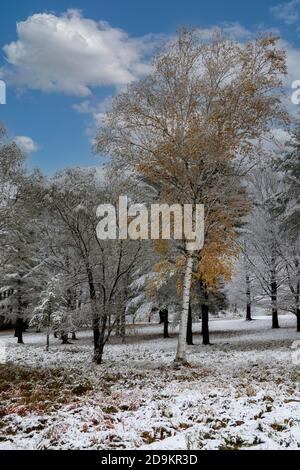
290 199
51 312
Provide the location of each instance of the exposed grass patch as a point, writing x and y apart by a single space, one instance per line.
110 410
27 389
148 437
81 388
232 443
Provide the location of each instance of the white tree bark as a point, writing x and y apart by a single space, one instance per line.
181 347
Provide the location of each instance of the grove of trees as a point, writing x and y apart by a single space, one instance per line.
196 130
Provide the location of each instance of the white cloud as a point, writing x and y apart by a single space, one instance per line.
293 61
233 30
97 109
71 54
288 12
26 144
236 31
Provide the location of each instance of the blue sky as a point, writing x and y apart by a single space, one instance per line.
65 65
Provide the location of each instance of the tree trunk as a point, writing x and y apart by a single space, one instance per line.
297 297
65 338
74 338
248 312
48 340
189 331
49 312
95 316
117 327
19 330
20 321
98 351
96 333
166 327
123 325
164 317
102 328
182 346
248 296
298 320
205 324
275 322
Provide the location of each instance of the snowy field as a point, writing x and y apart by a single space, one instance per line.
240 393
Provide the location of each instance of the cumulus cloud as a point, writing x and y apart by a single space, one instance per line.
71 54
288 12
26 144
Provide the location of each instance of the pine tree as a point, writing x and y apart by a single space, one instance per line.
51 313
290 199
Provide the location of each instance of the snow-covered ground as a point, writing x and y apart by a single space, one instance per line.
241 392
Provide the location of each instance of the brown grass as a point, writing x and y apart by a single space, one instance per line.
27 389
